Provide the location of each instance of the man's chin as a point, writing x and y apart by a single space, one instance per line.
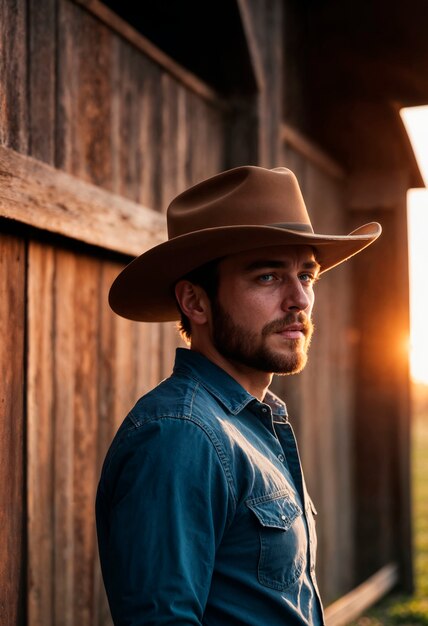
291 364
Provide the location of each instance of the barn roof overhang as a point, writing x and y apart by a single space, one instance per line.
362 62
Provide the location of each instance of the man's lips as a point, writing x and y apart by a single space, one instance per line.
291 327
293 331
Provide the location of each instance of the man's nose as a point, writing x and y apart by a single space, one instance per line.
296 297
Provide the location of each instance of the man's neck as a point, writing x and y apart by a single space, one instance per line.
253 381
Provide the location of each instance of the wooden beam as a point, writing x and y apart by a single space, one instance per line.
311 151
253 47
385 189
41 196
125 30
354 603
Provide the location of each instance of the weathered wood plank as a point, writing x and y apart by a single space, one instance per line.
130 109
41 196
150 193
12 417
13 75
263 23
42 79
84 95
382 410
64 388
247 18
85 304
40 437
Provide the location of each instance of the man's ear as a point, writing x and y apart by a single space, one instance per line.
193 301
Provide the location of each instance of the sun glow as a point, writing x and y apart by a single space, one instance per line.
416 122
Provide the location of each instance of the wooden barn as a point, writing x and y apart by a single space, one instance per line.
107 110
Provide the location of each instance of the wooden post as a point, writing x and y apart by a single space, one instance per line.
382 408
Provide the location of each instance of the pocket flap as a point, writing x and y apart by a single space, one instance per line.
275 513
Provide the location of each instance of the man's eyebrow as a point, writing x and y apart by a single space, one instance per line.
260 264
312 265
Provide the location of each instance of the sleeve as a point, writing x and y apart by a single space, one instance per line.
164 516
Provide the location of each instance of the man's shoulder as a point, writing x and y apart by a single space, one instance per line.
180 396
178 409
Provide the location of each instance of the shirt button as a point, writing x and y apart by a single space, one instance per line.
283 517
264 410
281 457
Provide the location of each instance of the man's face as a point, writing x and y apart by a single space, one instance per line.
261 317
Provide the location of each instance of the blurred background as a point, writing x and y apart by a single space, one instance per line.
107 111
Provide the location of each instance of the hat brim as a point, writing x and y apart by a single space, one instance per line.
144 290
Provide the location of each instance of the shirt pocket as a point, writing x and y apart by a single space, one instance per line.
283 540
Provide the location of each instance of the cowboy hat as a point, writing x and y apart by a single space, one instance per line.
237 210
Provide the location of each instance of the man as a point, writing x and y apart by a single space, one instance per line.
202 511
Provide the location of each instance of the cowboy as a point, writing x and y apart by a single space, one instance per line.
203 515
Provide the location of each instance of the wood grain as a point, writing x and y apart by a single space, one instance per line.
41 196
12 429
42 79
13 75
40 447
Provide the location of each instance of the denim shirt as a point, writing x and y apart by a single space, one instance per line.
202 511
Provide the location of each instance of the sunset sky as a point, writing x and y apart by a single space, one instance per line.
416 122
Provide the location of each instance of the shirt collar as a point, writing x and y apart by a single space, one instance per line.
221 385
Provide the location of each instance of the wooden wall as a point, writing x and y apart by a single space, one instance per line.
86 367
84 93
77 96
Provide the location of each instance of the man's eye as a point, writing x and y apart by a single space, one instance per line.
307 278
266 278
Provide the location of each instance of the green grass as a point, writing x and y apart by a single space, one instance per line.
396 610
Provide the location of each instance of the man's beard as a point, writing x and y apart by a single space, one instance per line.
248 348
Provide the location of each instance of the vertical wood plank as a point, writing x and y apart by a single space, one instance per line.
85 304
12 416
42 78
13 75
40 446
127 119
63 382
84 95
265 17
150 193
382 412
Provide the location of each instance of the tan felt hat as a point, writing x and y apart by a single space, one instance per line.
241 209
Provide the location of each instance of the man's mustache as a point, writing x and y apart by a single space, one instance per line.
278 326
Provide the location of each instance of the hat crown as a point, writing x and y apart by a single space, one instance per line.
247 195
